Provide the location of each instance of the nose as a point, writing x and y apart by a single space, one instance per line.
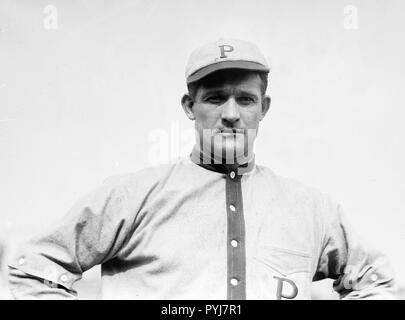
230 111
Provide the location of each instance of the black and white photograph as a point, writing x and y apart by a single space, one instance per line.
202 150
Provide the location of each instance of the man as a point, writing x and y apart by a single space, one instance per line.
214 225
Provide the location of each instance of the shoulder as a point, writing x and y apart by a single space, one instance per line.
141 176
287 184
295 190
128 187
145 179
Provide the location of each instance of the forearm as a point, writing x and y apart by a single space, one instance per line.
381 293
360 271
26 287
374 280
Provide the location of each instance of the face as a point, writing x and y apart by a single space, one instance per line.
227 109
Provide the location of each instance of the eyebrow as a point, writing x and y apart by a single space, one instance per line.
247 93
213 91
223 92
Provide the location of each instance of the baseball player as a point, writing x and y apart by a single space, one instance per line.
213 225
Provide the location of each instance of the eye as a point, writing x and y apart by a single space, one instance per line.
246 100
216 99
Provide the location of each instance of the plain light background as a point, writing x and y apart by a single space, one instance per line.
100 94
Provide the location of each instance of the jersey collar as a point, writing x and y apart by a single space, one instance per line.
198 158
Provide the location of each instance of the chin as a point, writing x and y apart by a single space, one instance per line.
233 152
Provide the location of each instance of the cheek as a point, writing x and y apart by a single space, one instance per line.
205 119
251 118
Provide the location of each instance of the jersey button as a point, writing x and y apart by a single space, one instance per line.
232 207
234 243
232 174
63 278
234 281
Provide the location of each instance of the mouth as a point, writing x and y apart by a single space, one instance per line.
230 131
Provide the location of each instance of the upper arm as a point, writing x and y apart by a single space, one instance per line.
92 232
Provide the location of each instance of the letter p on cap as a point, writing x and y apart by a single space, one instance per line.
225 48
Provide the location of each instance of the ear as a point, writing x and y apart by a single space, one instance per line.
265 106
187 103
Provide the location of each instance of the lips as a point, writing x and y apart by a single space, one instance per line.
231 130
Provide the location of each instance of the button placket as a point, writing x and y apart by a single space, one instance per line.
236 238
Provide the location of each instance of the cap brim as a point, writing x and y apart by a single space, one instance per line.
236 64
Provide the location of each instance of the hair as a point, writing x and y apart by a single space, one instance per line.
218 76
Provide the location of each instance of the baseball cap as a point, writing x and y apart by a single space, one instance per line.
224 54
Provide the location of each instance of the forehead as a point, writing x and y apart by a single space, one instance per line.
231 79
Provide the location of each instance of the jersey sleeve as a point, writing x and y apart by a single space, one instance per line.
91 233
359 270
